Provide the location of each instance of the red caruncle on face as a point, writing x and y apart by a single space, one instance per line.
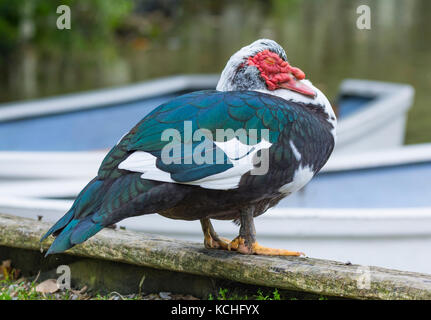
274 69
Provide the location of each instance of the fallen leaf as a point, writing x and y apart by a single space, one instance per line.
5 268
8 272
47 286
6 264
84 288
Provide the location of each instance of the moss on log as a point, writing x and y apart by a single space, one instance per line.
316 276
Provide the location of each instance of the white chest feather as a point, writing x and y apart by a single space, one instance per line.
319 100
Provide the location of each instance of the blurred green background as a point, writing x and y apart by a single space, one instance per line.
116 42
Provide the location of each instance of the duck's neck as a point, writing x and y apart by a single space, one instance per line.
231 81
319 103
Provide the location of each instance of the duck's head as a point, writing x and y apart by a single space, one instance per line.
263 65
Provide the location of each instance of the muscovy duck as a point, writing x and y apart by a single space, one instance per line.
174 162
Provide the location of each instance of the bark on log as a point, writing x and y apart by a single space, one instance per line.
322 277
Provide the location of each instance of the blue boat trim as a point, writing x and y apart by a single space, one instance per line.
98 128
387 190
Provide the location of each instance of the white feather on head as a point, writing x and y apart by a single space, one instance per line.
226 82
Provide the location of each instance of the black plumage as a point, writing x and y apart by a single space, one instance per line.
300 136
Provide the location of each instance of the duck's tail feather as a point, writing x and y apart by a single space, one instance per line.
78 218
60 224
77 231
104 202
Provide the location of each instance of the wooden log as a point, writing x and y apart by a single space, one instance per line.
321 277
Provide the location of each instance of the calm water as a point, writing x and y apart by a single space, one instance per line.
198 37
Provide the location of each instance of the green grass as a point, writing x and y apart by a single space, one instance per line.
25 290
223 294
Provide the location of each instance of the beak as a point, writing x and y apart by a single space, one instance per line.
297 86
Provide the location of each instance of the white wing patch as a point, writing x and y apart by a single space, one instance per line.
236 150
144 162
295 151
301 177
241 156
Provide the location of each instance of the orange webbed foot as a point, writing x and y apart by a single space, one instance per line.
238 244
